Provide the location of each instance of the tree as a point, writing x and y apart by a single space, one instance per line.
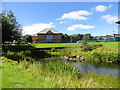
27 38
76 37
65 38
11 29
86 37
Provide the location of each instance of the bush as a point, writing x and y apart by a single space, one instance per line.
89 47
21 52
15 55
104 55
27 52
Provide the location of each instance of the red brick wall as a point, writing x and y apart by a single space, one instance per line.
41 38
34 39
57 38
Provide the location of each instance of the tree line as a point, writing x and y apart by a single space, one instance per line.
77 37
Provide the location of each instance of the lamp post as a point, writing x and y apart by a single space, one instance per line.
118 22
118 26
71 38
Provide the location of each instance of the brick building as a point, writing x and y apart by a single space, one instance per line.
47 36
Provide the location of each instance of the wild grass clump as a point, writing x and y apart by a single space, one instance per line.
93 52
6 60
70 52
90 47
61 67
104 55
57 67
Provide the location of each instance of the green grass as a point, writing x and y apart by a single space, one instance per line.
15 77
111 45
34 76
47 45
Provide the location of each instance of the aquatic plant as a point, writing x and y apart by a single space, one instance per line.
61 67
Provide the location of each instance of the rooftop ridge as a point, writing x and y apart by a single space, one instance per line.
48 29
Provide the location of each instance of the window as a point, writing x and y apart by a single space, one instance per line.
49 36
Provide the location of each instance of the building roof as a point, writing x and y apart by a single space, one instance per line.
48 29
34 35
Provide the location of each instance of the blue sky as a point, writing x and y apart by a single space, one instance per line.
66 17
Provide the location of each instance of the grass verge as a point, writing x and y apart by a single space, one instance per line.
17 75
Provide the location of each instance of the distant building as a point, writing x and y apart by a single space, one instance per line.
47 36
114 37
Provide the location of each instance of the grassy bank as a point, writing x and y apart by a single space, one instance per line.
93 52
55 75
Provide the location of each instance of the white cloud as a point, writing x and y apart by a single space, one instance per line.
102 8
94 34
79 26
35 28
75 15
63 22
110 19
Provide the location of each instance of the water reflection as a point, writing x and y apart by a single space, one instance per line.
99 68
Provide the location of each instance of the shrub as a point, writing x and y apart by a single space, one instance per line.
105 55
53 50
27 52
89 47
39 54
6 60
19 52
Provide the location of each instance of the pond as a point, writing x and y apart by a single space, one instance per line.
99 68
85 67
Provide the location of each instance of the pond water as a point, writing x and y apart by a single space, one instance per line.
99 68
95 67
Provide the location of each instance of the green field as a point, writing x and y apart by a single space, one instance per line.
111 45
46 45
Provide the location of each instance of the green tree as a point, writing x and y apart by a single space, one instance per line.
11 29
86 37
76 37
65 38
94 38
27 38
